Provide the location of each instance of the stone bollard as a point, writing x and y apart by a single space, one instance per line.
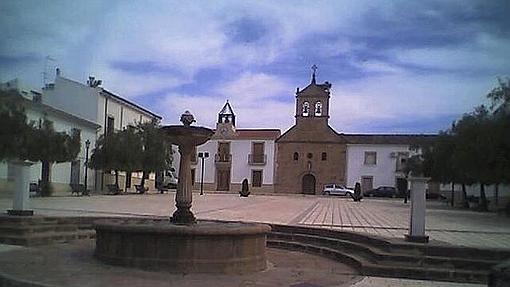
20 203
418 204
245 190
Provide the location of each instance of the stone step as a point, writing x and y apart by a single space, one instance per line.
394 245
47 237
375 269
35 228
380 242
27 220
373 254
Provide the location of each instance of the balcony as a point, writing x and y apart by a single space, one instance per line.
257 159
223 158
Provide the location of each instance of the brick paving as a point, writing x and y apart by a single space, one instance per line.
383 217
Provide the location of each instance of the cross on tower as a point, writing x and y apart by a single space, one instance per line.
314 68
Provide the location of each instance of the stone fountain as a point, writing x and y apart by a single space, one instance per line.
183 244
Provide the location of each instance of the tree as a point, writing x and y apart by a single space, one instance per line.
24 141
107 154
13 128
473 153
49 147
141 148
476 149
156 151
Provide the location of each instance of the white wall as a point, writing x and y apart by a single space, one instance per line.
72 97
240 149
240 167
123 114
209 166
383 172
61 173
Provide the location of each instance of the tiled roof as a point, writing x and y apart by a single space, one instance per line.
404 139
257 133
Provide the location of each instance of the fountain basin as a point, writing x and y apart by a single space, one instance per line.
187 135
208 246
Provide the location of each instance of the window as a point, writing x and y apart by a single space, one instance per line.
110 125
370 158
324 156
258 152
318 109
306 109
296 156
256 178
309 155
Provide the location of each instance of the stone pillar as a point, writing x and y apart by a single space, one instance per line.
418 204
183 196
20 203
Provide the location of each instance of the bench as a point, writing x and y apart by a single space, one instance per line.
113 189
79 189
35 188
141 189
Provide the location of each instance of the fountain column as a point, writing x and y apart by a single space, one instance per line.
184 195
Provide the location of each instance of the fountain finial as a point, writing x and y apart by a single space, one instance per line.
187 118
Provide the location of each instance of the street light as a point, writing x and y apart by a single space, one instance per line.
202 156
87 145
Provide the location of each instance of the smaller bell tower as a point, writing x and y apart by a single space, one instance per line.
226 121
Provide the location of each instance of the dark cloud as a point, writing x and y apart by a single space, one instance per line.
416 124
247 30
17 60
414 24
145 67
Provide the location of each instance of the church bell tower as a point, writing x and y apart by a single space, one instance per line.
312 103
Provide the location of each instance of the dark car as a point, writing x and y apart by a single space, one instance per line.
382 191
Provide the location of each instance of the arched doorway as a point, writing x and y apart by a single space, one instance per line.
308 184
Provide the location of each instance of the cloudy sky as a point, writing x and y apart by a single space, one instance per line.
395 66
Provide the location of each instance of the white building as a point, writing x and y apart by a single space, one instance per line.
36 111
378 160
94 103
236 154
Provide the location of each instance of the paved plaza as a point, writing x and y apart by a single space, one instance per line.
383 217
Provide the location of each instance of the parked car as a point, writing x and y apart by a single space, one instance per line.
170 180
337 189
382 191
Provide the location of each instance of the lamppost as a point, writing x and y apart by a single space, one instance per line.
202 156
87 145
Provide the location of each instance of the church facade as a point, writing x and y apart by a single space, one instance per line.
310 154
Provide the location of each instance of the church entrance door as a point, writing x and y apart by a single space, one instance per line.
308 184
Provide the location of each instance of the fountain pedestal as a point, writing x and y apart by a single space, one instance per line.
184 195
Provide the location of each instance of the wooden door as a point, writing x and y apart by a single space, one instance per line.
308 184
223 179
367 183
